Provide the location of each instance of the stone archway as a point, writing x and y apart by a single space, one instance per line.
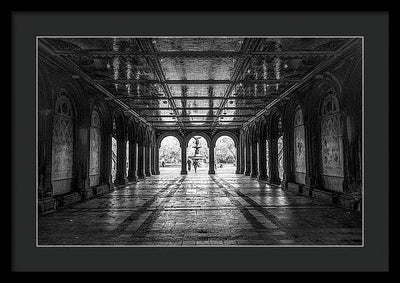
158 145
235 140
210 154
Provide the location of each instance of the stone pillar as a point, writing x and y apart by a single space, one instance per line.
254 161
120 176
211 160
262 160
183 160
312 149
147 163
157 159
153 161
242 158
140 166
273 162
132 176
237 160
248 162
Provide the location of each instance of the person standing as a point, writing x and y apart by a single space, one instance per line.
195 164
189 163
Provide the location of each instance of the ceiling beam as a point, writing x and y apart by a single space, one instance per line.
197 122
128 97
197 82
193 116
345 50
156 68
248 46
72 67
198 108
171 54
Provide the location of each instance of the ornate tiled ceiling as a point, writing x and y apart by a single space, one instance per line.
196 83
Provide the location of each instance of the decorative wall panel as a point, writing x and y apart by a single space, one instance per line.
331 138
62 148
299 143
95 149
280 157
114 158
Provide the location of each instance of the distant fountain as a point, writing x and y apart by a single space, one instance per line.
197 155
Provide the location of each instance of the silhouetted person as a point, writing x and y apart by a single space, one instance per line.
163 164
195 165
189 163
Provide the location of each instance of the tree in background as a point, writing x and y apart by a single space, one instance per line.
225 150
170 150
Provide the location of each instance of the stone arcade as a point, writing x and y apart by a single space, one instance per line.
293 107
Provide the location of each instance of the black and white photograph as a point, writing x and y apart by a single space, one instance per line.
200 141
197 141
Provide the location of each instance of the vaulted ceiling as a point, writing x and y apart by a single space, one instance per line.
196 83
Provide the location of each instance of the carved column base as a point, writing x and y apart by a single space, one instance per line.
120 181
274 180
47 204
247 173
254 174
211 171
141 176
148 174
262 177
183 172
132 178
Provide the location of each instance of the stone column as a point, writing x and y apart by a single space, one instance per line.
312 149
273 162
147 154
211 160
157 159
248 163
132 176
254 162
183 160
140 167
262 160
120 177
237 160
153 161
242 158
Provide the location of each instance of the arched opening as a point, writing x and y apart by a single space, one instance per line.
197 155
275 152
114 152
62 146
95 149
225 155
170 155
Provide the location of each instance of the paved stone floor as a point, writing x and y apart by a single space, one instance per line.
200 209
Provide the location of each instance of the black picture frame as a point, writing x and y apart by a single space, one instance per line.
373 26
